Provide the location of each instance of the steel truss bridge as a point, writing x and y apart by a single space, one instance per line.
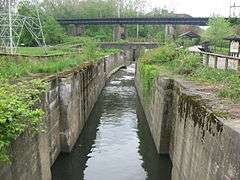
196 21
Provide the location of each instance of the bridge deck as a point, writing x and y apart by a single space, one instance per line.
146 20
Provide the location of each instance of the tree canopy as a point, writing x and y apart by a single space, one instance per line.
104 9
50 10
219 28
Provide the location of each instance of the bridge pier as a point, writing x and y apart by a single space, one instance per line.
170 31
75 29
119 32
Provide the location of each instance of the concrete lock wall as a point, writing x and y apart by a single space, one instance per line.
68 103
184 123
135 47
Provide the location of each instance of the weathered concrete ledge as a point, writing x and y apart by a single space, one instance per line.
219 61
68 103
135 47
200 132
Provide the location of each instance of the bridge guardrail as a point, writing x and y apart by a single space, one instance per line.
201 21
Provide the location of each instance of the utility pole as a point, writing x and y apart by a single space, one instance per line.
230 9
43 44
137 26
119 8
233 8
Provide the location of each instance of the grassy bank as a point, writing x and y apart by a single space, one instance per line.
11 69
174 62
18 102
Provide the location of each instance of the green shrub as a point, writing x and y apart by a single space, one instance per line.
186 63
90 49
10 69
148 74
18 112
161 55
149 61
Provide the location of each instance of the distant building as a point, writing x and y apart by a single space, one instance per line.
188 38
190 35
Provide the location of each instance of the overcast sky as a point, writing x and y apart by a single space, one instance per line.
197 8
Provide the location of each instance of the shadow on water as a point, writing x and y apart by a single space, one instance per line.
157 166
116 143
71 166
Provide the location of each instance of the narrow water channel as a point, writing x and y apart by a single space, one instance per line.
116 143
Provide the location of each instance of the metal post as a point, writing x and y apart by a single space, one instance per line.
10 27
41 31
119 8
233 8
230 9
137 26
137 31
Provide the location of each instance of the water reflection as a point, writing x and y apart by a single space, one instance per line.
157 166
116 143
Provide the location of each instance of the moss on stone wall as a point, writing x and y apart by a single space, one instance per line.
191 107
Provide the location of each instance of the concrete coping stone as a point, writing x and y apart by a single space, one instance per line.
221 56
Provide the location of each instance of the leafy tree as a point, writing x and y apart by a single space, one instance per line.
219 28
54 33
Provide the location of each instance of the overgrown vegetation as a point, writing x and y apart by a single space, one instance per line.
174 61
87 51
19 99
221 50
148 73
149 64
228 81
18 112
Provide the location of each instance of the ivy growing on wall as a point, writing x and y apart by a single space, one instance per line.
148 73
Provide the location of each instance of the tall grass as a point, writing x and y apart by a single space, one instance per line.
10 69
